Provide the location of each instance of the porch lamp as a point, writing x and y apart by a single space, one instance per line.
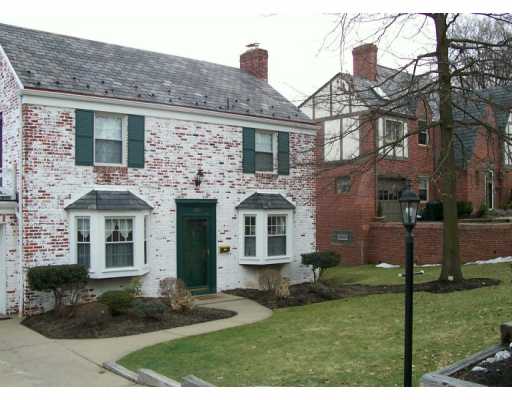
409 206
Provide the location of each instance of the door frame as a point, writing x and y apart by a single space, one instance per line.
3 272
207 208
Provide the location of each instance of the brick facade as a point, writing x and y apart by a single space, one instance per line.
175 150
10 107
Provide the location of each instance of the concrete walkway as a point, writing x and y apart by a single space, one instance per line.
30 359
100 350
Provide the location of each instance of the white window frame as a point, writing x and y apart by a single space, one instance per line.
246 215
98 269
427 132
385 150
274 152
262 257
507 147
124 145
336 146
426 179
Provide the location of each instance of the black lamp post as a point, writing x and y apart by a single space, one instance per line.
409 206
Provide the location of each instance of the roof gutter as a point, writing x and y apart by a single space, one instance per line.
38 96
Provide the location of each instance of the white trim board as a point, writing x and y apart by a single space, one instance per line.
96 103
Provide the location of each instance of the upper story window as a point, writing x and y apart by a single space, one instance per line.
264 154
341 139
265 151
108 139
423 132
393 138
507 143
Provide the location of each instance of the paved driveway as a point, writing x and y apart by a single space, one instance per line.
29 359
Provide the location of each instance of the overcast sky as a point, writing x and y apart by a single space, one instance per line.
298 62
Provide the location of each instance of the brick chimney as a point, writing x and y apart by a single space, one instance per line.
364 58
255 62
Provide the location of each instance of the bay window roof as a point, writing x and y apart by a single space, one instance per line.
265 201
109 200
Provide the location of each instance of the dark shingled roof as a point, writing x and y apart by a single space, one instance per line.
470 110
265 201
109 200
56 62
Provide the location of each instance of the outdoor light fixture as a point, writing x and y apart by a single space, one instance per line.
409 205
199 177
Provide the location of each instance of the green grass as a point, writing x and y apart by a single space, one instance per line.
356 341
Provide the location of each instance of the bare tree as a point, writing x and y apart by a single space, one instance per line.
447 74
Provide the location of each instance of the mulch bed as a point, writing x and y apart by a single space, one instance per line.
306 293
498 373
52 326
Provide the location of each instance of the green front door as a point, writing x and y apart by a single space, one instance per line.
197 244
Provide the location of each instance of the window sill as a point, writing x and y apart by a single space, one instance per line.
118 273
262 261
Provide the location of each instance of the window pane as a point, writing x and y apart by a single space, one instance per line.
119 255
264 162
277 245
250 246
108 151
343 184
422 132
119 242
332 144
108 127
145 239
83 254
83 247
263 142
350 138
250 236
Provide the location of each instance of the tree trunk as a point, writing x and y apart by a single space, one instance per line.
450 269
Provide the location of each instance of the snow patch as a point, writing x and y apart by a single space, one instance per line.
387 266
492 261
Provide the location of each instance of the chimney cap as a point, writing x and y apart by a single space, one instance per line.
254 45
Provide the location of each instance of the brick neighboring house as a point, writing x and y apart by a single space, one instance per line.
360 176
146 164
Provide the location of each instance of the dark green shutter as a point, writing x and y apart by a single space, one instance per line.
84 137
135 141
249 145
283 153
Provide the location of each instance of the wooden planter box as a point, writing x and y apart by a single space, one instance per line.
443 377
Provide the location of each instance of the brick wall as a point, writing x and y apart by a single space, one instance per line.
354 211
175 150
10 107
255 62
478 241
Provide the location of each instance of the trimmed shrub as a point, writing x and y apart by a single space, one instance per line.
62 280
320 261
148 310
283 290
118 301
483 211
433 211
464 209
135 287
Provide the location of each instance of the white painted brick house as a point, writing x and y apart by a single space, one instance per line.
145 164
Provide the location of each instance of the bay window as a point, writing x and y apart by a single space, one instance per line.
265 236
111 243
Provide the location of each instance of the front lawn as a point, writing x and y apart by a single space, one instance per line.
356 341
